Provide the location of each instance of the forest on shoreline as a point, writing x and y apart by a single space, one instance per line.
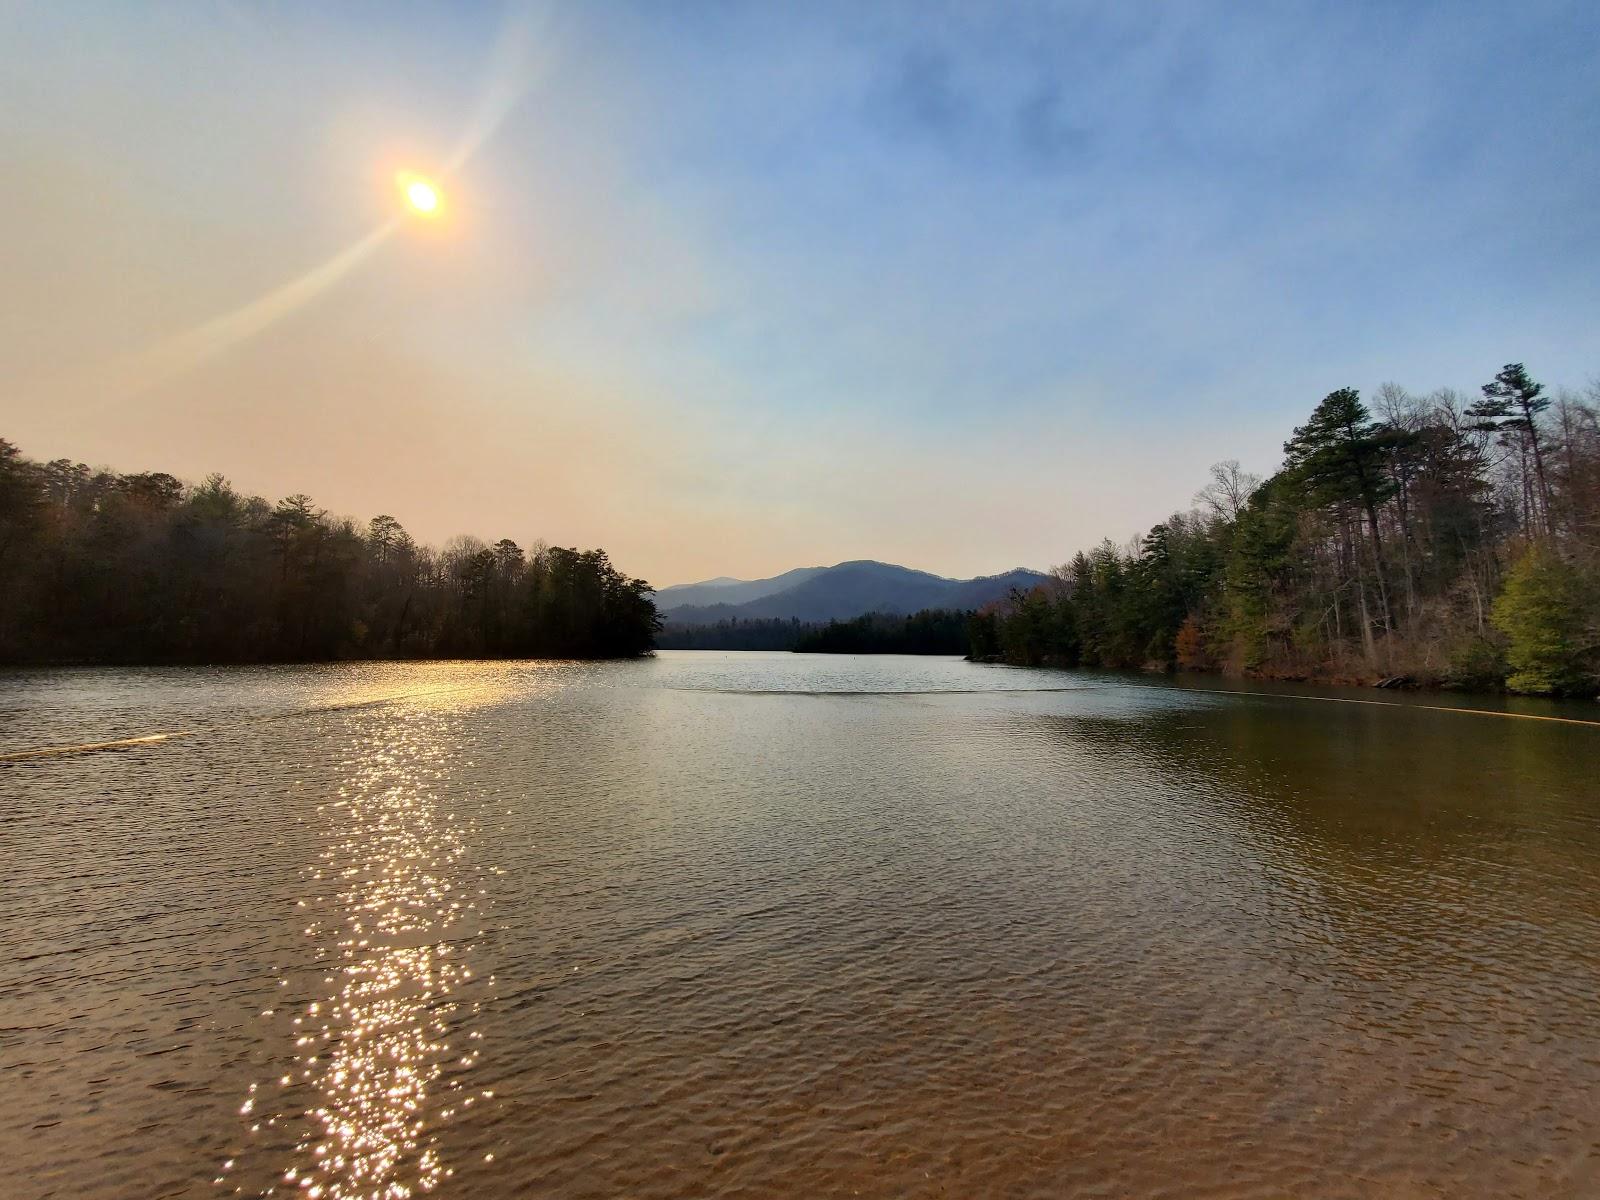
930 631
1437 540
100 567
736 633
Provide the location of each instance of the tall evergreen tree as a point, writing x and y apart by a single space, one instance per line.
1338 457
1510 407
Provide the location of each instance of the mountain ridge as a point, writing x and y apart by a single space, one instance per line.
840 592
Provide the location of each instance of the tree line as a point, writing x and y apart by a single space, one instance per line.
97 566
735 633
931 631
1439 539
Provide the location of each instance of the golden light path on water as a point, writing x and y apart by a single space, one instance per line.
382 1056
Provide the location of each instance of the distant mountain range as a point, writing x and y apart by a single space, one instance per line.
833 593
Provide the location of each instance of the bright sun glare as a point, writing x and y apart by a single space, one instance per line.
421 195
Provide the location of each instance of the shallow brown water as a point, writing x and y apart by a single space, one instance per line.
776 925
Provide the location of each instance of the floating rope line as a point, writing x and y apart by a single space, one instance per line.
1146 687
1444 708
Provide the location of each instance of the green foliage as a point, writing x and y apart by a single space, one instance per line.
1257 569
1511 400
1547 614
1477 663
1377 550
1337 456
1511 405
1040 628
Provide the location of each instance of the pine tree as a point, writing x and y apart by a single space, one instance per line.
1511 405
1338 457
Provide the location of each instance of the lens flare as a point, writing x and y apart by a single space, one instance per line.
519 56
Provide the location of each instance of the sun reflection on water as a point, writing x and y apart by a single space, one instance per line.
378 1065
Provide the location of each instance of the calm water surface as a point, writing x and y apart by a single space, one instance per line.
778 925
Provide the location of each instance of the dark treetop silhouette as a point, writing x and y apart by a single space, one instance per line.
930 631
101 567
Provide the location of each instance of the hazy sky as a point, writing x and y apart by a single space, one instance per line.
738 287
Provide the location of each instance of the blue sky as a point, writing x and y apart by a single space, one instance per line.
740 287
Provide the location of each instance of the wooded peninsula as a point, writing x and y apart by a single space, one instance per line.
103 567
1437 540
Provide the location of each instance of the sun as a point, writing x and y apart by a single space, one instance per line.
421 194
422 197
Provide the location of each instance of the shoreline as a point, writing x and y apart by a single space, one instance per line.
1409 684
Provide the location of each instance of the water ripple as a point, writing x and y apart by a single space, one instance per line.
767 926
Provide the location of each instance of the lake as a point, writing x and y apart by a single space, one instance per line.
772 925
